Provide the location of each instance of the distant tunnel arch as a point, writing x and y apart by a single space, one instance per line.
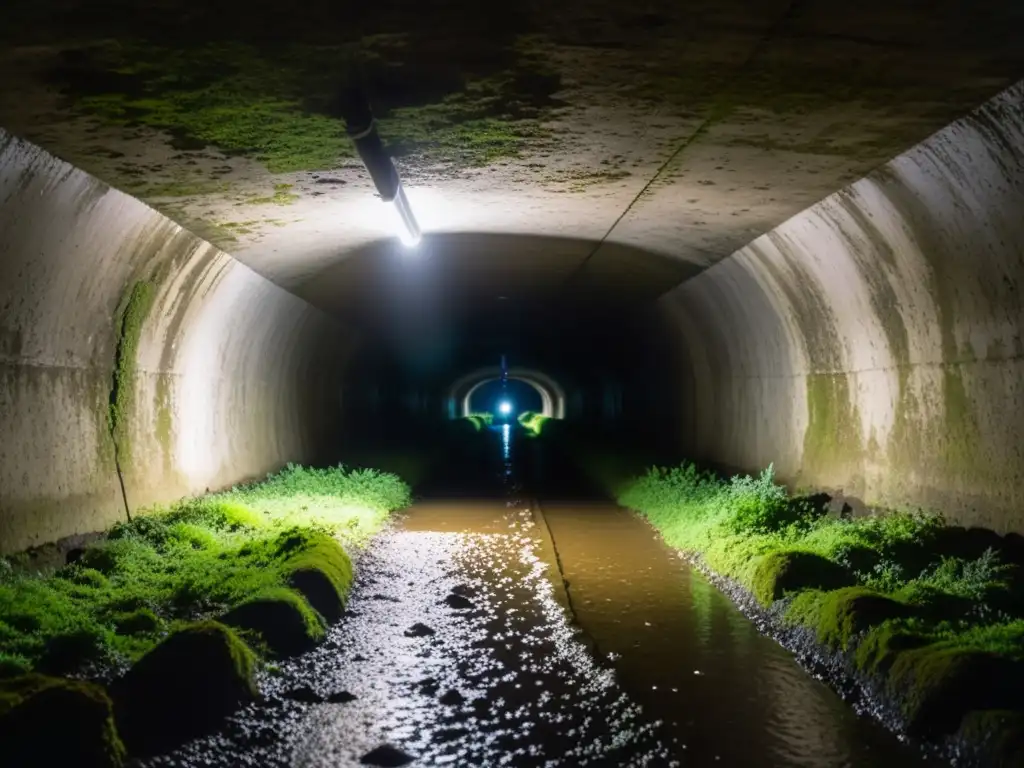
551 393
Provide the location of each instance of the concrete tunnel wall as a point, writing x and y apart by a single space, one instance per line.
873 343
232 375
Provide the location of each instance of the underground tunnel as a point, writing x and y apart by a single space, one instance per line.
649 393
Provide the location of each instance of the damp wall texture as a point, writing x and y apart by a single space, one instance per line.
872 345
132 350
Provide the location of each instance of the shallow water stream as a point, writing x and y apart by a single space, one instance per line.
492 632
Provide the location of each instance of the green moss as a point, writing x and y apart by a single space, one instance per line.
137 304
31 705
940 683
277 106
282 196
199 558
838 616
165 420
321 571
281 618
533 423
792 571
181 188
139 621
927 606
833 437
879 648
183 687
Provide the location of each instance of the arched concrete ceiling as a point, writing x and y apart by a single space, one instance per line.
684 129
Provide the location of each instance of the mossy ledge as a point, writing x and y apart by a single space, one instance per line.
923 622
190 599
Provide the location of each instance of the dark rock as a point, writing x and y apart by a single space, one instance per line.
183 688
458 602
305 694
320 570
419 630
781 572
453 699
50 721
341 697
386 756
282 618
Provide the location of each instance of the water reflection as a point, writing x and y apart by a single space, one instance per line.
686 654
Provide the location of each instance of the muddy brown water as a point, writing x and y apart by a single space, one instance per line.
506 633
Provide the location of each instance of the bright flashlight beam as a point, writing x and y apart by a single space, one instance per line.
409 228
505 408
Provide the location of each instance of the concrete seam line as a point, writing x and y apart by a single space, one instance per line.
538 511
714 115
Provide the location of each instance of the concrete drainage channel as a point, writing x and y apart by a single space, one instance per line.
455 650
507 631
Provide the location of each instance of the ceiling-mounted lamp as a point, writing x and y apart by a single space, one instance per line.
361 127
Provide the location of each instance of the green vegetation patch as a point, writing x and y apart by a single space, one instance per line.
196 559
136 308
280 618
480 421
936 613
782 572
278 106
840 615
532 423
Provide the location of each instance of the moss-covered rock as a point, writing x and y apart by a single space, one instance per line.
51 721
67 653
782 572
997 734
839 615
877 652
282 618
138 622
319 569
938 685
183 688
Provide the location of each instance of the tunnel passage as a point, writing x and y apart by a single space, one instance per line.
640 235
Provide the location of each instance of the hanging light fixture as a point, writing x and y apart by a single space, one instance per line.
361 127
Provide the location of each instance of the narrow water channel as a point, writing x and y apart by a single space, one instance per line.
503 631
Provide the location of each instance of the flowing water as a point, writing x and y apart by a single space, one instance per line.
507 632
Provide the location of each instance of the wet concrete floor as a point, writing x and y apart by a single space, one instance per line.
502 632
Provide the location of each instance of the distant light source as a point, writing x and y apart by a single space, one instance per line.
362 129
505 408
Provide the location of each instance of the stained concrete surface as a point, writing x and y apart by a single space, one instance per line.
872 344
227 374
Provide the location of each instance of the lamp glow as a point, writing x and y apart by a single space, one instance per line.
408 227
505 408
